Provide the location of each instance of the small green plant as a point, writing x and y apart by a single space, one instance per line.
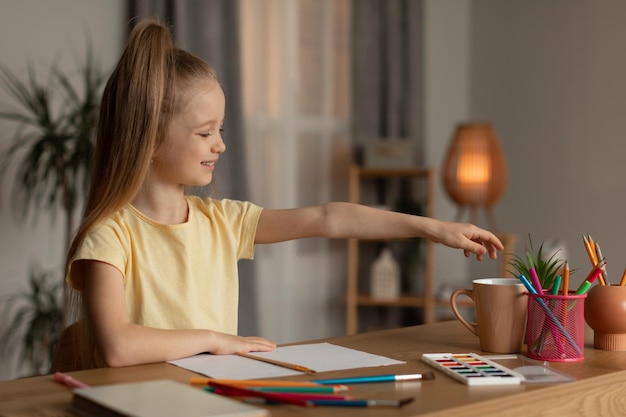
33 320
53 144
49 159
547 269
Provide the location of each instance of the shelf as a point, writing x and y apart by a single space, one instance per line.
397 173
402 301
460 303
422 179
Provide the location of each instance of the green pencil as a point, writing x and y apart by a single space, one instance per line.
331 389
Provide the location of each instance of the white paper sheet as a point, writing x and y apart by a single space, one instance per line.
318 356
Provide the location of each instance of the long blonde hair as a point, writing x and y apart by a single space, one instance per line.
150 84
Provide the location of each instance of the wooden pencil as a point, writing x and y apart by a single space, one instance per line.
288 365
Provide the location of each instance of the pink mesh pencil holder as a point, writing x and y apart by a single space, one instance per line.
555 330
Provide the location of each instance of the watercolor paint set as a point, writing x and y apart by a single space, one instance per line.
472 369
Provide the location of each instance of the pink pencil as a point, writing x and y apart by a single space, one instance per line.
68 381
535 278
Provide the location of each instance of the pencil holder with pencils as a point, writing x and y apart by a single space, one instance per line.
555 329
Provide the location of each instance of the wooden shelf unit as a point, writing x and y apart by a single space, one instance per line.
353 298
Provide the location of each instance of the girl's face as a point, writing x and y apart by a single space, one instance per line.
194 140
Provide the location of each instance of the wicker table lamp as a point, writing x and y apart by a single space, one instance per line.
474 170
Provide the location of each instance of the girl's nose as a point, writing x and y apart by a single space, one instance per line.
219 146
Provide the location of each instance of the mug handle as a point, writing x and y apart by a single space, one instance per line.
471 326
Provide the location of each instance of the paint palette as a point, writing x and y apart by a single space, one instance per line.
472 369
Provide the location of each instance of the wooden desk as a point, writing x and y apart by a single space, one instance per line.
598 391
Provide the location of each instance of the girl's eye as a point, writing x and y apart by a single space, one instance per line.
210 133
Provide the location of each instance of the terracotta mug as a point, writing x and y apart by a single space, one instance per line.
501 307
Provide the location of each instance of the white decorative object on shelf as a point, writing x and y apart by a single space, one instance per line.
385 277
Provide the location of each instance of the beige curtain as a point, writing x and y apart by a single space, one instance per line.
296 60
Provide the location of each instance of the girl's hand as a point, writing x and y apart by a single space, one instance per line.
227 344
470 238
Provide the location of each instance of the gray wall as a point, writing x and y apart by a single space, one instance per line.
446 102
551 76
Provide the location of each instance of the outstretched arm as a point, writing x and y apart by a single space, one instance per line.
121 343
348 220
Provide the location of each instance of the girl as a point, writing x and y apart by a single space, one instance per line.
156 270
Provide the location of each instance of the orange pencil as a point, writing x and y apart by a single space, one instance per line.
566 279
590 252
565 303
623 281
590 247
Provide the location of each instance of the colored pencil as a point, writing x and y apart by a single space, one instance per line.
270 396
252 382
344 403
224 390
535 280
364 403
68 381
593 275
590 251
592 248
604 278
623 280
584 287
538 345
306 400
287 365
320 388
556 285
376 378
566 294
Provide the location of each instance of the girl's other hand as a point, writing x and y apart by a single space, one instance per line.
227 344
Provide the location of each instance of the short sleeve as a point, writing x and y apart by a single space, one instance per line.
105 243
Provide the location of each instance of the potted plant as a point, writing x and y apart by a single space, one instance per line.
547 269
51 150
35 318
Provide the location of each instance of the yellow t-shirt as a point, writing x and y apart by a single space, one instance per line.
181 276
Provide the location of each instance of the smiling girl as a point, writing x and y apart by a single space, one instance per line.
156 269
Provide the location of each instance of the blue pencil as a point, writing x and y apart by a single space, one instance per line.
375 378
